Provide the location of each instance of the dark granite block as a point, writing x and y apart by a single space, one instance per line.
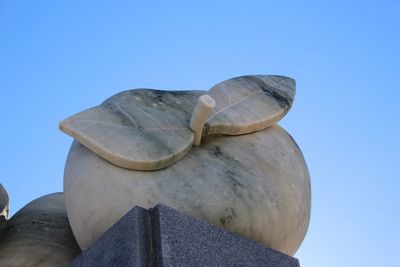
124 244
163 236
181 240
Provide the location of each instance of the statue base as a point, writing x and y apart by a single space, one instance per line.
162 236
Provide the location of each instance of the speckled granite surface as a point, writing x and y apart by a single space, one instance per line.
163 236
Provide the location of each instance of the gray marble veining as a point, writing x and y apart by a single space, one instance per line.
140 129
247 104
147 129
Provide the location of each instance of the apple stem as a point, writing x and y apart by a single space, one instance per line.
204 106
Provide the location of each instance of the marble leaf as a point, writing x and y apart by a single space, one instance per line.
249 103
139 129
147 129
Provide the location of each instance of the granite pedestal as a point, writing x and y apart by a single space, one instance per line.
163 236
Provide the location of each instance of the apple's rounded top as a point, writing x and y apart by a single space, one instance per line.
145 129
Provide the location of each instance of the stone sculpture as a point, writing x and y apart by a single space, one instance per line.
216 155
244 172
38 235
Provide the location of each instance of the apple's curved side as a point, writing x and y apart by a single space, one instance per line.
256 185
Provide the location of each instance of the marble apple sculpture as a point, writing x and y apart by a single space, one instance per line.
217 155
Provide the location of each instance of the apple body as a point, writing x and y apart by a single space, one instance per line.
256 185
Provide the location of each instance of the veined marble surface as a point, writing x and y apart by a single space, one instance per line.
38 235
249 103
147 129
141 129
256 185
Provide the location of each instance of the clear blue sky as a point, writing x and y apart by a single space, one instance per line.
59 58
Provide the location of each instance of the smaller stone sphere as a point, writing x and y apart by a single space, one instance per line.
38 235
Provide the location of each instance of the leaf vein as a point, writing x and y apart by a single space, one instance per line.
233 104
